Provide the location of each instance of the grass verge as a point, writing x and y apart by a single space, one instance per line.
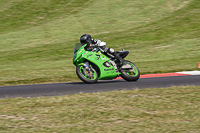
174 109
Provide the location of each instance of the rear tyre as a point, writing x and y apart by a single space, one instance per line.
130 74
89 75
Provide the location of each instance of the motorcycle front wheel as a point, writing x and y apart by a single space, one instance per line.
87 75
132 74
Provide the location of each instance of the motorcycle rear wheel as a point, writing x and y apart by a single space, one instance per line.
131 74
89 76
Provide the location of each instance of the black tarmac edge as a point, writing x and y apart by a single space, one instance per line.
58 89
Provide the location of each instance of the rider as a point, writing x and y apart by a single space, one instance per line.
92 43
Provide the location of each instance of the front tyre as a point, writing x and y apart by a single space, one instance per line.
87 75
132 74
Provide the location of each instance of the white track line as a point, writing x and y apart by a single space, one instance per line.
196 72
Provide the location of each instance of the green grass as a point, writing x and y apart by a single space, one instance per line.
37 37
174 109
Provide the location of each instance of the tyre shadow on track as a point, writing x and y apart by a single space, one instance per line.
100 82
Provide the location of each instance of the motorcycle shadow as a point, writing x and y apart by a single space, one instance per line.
100 82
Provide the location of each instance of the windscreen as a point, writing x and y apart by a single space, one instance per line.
77 47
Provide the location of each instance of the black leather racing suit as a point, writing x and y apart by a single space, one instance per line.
106 50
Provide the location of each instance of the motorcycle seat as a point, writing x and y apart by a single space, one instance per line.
123 54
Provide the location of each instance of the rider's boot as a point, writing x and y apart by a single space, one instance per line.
121 63
119 59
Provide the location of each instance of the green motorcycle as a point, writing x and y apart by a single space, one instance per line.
92 66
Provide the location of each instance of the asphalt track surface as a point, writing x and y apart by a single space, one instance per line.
58 89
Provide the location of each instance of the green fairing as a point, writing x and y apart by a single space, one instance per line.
96 58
